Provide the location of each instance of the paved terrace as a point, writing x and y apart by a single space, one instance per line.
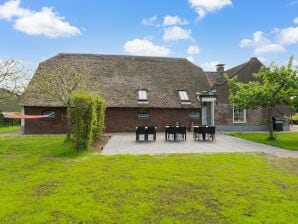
124 143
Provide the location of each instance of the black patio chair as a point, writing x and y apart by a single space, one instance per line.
151 131
141 131
211 132
181 133
196 133
170 133
199 131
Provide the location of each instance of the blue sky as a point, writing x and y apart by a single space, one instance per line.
205 31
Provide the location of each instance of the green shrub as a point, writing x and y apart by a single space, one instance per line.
8 122
87 115
98 124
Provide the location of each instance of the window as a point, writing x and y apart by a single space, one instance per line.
194 115
51 115
142 95
239 115
143 115
183 95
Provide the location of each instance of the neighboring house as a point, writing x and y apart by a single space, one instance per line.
9 101
228 118
150 91
138 91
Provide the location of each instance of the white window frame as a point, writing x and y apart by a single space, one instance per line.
183 95
244 116
142 95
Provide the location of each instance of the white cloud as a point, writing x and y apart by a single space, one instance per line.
152 21
262 44
288 35
174 20
193 49
46 22
269 48
295 20
202 7
246 43
11 9
146 48
191 59
176 33
209 66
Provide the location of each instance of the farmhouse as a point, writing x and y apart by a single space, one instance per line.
148 90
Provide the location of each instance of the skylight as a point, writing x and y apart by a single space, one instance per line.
143 95
183 95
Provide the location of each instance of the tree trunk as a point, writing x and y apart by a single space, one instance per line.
68 123
270 123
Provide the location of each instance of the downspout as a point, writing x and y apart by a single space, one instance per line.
23 121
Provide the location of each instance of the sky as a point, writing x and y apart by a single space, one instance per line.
207 32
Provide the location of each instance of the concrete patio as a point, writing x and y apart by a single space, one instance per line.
124 143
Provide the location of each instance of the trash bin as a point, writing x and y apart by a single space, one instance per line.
278 123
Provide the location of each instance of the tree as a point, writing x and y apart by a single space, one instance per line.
59 81
13 78
274 86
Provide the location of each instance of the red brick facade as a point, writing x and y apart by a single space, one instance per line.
117 119
45 126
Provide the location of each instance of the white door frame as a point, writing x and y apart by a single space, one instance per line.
211 100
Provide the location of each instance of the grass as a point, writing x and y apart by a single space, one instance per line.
295 117
9 129
287 140
44 181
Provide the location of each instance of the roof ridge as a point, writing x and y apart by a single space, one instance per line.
121 55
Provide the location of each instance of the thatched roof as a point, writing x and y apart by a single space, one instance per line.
120 77
243 72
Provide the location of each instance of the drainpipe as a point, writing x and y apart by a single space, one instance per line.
23 120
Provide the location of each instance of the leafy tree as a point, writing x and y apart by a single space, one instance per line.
273 86
13 78
58 82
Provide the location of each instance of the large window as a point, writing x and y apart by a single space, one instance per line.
142 95
183 95
239 115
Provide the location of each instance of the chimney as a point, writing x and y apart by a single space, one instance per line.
220 67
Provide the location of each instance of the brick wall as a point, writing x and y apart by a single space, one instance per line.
117 119
124 119
45 126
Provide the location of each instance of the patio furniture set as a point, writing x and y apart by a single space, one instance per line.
175 133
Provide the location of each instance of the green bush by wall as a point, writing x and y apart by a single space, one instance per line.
87 115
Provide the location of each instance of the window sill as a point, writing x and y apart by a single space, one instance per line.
143 102
239 122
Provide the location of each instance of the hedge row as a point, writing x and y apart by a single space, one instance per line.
8 122
87 113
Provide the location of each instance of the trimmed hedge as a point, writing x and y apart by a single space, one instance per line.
87 114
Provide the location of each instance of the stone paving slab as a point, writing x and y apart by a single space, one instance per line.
124 143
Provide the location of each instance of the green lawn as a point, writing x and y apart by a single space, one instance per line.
287 140
44 181
9 129
295 117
